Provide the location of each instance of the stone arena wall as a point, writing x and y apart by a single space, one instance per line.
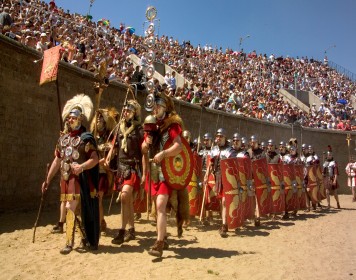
30 124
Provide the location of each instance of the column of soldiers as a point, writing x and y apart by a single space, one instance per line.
243 181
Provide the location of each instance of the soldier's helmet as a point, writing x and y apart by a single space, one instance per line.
236 136
270 142
207 136
329 155
304 146
263 145
187 135
253 138
221 132
282 144
310 148
243 141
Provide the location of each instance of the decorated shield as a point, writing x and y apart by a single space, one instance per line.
263 193
320 182
248 199
312 183
178 170
299 174
140 201
195 196
276 178
231 189
212 201
290 188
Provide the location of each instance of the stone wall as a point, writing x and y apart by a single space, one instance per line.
30 124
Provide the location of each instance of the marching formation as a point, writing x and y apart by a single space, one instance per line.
155 167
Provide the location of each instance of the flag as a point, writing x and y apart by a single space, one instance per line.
50 65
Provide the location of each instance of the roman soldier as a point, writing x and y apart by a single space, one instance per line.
221 151
331 173
255 151
129 162
351 177
169 129
77 159
102 124
236 144
271 155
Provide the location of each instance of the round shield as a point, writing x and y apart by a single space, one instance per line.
178 170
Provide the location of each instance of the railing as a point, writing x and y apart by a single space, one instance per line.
342 70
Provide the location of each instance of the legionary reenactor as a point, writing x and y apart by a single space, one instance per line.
169 133
203 153
129 164
254 151
283 152
102 124
271 155
221 151
77 158
331 173
351 177
237 145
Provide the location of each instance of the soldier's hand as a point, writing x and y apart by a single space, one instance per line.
143 180
44 186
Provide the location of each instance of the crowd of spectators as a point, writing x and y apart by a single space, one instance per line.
241 83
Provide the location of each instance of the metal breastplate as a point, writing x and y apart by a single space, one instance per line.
71 151
328 168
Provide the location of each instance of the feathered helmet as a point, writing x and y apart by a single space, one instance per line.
79 106
110 116
134 106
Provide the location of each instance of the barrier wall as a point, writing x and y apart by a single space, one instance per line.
30 124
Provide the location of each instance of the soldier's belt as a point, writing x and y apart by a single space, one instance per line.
276 188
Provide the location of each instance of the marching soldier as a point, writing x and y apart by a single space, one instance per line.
351 177
331 173
103 123
271 155
221 151
170 128
77 158
129 157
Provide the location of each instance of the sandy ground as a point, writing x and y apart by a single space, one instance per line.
315 245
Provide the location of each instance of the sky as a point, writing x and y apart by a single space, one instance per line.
304 28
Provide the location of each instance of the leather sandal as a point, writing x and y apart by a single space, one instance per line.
66 250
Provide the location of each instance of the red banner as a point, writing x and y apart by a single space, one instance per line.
276 177
263 193
50 65
231 181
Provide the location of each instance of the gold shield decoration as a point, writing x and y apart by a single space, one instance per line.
178 170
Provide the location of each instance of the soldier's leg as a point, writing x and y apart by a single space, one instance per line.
70 226
328 197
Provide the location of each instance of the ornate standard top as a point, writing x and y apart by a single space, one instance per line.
151 13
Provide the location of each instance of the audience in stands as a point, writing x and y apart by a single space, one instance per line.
240 83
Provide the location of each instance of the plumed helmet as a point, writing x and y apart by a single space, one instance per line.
207 136
236 136
80 105
221 131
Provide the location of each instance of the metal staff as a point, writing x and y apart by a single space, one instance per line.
43 196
